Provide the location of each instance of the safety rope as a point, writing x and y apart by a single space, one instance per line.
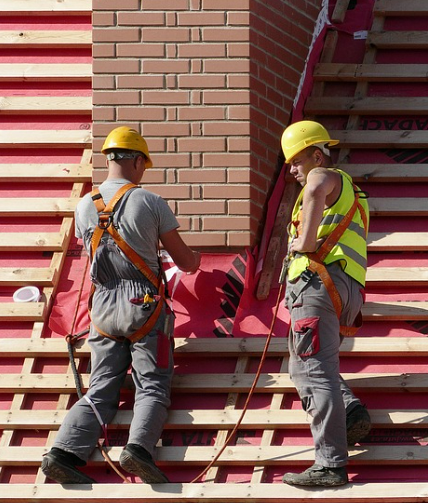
71 339
251 392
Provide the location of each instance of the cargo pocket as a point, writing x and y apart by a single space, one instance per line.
306 336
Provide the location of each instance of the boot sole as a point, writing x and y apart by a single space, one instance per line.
312 482
63 474
149 473
358 432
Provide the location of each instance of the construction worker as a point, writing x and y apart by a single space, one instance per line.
327 264
131 322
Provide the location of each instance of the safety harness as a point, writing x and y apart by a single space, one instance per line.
316 260
105 224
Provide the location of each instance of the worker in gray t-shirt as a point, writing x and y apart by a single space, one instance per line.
121 225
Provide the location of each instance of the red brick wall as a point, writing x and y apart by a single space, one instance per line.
210 84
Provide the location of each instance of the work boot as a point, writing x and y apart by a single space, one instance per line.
317 475
135 459
60 466
358 424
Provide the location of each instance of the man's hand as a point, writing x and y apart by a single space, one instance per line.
299 246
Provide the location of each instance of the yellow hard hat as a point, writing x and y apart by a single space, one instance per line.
126 138
303 134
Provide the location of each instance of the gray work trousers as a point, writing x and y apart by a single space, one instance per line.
314 342
110 361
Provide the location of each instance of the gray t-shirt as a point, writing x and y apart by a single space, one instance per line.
140 220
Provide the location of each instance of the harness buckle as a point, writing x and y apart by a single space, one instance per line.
105 219
307 275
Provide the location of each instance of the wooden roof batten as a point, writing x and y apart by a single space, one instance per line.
214 493
46 7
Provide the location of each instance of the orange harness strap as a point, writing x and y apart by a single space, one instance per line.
316 264
105 223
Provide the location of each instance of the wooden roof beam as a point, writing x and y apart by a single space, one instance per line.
241 455
338 72
366 106
398 39
219 383
46 105
215 419
400 8
370 138
395 492
400 173
46 7
46 38
219 348
45 72
31 138
45 172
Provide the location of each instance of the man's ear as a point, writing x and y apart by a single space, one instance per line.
141 161
318 157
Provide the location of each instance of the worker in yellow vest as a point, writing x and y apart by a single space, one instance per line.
326 270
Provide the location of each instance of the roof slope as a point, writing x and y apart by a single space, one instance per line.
372 93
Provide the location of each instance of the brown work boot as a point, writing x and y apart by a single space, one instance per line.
317 475
135 459
358 424
60 466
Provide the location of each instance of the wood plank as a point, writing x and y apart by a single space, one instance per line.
398 39
400 8
392 275
239 455
397 241
212 419
367 105
346 72
45 172
31 241
49 105
29 311
218 348
395 311
380 139
46 72
373 173
403 206
278 239
46 38
339 12
15 138
372 311
219 383
21 276
368 492
37 206
46 7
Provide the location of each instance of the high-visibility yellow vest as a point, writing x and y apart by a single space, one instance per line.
351 249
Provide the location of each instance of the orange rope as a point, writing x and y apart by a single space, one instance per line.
250 393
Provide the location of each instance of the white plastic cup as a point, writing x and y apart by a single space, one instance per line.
27 294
